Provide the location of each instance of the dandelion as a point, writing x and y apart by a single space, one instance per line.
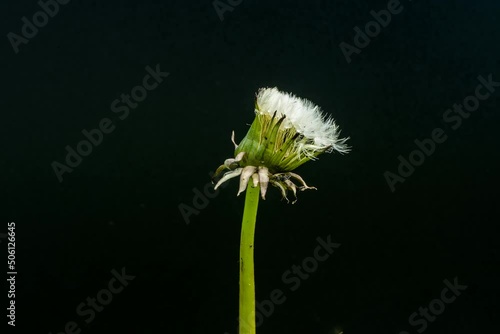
287 132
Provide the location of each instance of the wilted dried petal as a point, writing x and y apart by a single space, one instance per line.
245 177
292 186
263 180
301 180
227 176
232 139
255 179
279 185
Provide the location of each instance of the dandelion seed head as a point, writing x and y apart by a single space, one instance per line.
307 118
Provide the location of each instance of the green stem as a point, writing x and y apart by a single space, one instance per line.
247 285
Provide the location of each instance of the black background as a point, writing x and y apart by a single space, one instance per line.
120 206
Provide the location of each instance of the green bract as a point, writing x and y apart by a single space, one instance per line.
268 143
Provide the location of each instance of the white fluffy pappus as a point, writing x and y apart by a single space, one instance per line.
306 117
